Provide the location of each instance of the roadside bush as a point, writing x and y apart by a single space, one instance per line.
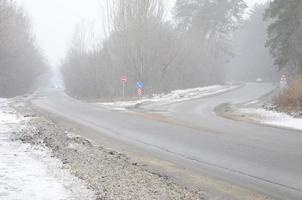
290 100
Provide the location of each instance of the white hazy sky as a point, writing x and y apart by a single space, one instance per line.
54 21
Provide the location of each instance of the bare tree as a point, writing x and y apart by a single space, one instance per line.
140 43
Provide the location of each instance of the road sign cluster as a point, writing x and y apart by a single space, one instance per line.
139 85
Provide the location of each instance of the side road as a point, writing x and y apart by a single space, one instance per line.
109 174
193 139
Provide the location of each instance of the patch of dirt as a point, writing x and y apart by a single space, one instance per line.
231 112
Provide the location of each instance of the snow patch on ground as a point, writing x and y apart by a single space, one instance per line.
273 118
30 173
172 97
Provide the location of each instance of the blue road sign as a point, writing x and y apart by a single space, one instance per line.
139 85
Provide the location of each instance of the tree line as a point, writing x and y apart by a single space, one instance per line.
188 51
285 44
285 34
269 42
204 43
20 59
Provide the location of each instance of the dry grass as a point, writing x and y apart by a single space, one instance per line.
290 100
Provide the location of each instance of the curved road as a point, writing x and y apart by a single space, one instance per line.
264 159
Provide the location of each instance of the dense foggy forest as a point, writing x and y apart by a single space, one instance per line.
206 42
190 51
20 60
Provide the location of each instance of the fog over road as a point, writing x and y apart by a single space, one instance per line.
191 135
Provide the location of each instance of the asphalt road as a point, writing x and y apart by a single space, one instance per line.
264 159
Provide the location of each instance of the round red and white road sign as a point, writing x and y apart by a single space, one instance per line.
124 78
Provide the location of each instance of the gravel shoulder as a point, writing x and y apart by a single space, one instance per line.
111 175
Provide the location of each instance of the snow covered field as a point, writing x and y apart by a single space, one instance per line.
273 118
172 97
30 173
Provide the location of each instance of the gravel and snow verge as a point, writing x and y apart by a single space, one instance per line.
30 172
111 175
172 97
273 118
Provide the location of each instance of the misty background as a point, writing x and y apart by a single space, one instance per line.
172 44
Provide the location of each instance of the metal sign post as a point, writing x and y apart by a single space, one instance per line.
124 80
124 89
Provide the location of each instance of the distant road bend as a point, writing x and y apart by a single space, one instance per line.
261 158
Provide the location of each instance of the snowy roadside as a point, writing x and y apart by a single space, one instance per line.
170 98
110 174
260 111
273 118
30 172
